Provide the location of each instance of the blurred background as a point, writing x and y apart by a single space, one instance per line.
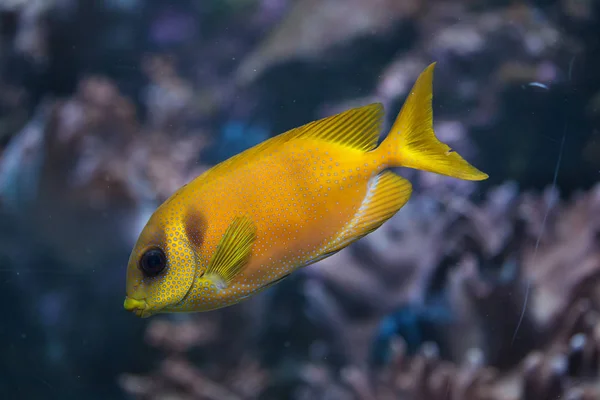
473 291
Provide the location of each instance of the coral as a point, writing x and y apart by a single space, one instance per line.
76 185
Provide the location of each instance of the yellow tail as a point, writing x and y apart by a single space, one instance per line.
412 143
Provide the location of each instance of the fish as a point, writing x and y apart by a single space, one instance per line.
249 222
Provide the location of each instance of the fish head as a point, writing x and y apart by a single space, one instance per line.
161 268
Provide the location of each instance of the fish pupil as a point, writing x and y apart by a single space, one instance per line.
153 262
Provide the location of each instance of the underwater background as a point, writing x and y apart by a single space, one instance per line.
473 291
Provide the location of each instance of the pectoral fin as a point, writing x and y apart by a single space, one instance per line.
232 252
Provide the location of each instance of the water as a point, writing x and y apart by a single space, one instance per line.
107 108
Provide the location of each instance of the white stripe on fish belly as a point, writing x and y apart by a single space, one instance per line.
347 234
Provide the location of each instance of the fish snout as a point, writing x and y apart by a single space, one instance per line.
138 307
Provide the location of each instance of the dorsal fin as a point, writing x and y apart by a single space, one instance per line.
357 128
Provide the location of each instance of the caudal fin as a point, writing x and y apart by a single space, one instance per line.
412 143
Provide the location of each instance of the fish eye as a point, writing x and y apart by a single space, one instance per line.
153 262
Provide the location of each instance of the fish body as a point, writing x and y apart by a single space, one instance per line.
288 202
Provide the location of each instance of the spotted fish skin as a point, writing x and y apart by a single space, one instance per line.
286 203
319 189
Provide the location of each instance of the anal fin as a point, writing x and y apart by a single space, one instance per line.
387 193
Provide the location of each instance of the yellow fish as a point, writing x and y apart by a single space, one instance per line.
295 199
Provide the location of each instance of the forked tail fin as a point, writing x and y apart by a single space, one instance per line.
412 143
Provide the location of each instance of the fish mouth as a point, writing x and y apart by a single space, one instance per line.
138 307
